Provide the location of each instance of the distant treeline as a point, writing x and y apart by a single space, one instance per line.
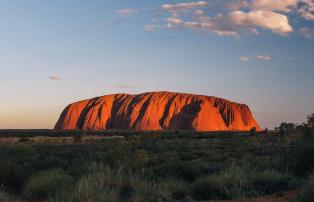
306 128
285 128
112 132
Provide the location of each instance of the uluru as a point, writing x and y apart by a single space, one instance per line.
157 111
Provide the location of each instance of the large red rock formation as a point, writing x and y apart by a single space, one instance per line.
157 111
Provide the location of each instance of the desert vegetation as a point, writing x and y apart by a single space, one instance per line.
157 166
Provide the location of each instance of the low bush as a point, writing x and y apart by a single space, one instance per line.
180 190
228 184
150 191
5 197
48 183
186 170
270 181
16 164
206 189
307 192
303 154
100 183
238 182
12 175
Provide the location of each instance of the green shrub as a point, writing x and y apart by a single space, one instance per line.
185 170
270 181
206 189
94 187
16 164
5 197
141 157
12 175
307 192
228 184
21 152
149 191
303 154
238 182
47 183
99 184
180 190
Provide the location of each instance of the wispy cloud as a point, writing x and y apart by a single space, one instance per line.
152 27
263 57
307 32
244 58
199 12
187 5
149 28
55 77
124 12
175 21
269 57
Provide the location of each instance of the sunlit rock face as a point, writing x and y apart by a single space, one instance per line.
157 111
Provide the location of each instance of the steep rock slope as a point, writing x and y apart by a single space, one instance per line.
157 111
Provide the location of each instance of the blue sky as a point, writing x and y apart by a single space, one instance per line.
258 52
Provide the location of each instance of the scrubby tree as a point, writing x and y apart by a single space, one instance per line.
286 128
253 131
308 127
310 120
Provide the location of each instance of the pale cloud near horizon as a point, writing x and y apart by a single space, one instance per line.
263 57
55 77
266 57
152 27
244 16
149 28
244 58
257 57
124 12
